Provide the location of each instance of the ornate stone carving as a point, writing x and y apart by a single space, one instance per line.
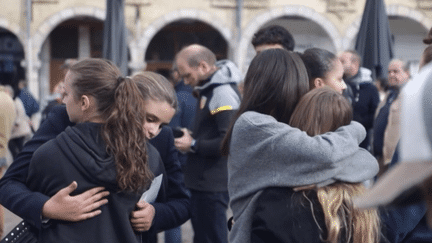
138 2
424 5
246 3
340 7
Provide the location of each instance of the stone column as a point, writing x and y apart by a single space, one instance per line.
44 73
137 55
84 46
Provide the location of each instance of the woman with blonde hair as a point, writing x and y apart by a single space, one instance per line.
316 213
108 147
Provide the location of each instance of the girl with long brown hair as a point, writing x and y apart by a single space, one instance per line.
108 147
323 213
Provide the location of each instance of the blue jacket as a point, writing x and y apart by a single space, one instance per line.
187 106
405 224
31 106
185 113
18 198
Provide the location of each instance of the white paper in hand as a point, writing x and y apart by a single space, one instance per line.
151 194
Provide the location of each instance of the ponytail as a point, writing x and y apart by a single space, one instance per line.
120 103
125 137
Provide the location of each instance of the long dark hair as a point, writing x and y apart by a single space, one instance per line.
120 101
318 62
274 83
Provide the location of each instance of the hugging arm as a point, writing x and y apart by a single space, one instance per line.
31 206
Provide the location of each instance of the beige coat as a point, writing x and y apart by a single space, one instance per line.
392 131
22 121
7 119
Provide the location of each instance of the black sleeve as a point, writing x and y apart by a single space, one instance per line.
211 147
367 118
375 100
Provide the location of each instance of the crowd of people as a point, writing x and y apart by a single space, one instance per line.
292 149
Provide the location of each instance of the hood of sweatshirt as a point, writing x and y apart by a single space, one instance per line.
364 75
227 73
86 149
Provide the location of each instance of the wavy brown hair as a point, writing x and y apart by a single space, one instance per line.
324 110
120 103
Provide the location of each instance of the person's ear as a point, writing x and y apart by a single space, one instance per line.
85 102
204 67
319 82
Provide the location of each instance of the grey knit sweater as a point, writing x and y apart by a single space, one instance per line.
266 153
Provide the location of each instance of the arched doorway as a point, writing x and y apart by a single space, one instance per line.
76 38
306 33
174 36
11 55
408 37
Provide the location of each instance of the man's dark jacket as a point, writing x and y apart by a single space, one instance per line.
218 99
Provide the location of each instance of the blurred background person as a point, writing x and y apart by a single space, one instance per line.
382 86
7 120
404 191
363 94
58 91
273 36
55 99
21 131
387 120
31 105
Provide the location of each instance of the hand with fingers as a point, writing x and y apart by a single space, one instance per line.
63 206
183 144
142 218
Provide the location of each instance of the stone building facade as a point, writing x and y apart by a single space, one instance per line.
157 29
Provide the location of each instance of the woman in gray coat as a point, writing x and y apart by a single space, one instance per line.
264 151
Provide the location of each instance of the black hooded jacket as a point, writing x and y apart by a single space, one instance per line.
80 155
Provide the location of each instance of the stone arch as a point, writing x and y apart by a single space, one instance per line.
288 10
54 20
15 29
392 10
196 14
